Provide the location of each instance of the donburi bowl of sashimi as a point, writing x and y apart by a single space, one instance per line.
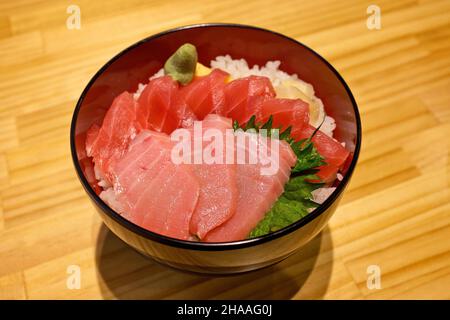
216 148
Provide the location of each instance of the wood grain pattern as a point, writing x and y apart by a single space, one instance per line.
395 214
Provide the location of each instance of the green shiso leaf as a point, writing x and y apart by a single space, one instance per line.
307 156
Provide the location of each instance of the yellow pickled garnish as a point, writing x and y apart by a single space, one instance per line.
304 87
201 70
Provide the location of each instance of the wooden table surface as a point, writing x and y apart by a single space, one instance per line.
395 214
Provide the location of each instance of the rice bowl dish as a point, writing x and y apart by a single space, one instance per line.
132 150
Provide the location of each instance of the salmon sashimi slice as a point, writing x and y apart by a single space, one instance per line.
160 107
244 97
218 190
152 190
205 95
334 153
109 142
257 193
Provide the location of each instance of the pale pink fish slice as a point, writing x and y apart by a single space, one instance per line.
152 191
257 193
218 188
251 208
168 202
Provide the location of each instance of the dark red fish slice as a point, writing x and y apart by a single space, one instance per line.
333 152
110 142
244 97
285 113
160 107
327 173
205 95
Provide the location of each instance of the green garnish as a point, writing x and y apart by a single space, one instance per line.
181 65
296 200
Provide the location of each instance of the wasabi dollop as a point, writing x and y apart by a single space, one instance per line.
181 65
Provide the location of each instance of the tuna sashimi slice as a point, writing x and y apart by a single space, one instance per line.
257 193
255 95
285 113
275 157
91 139
327 173
109 142
244 97
217 199
333 152
168 202
85 162
160 107
152 190
252 207
205 95
217 121
148 151
218 190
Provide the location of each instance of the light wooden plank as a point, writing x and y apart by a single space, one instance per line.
8 133
21 48
12 287
5 27
23 247
394 213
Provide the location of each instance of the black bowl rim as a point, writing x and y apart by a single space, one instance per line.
213 246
